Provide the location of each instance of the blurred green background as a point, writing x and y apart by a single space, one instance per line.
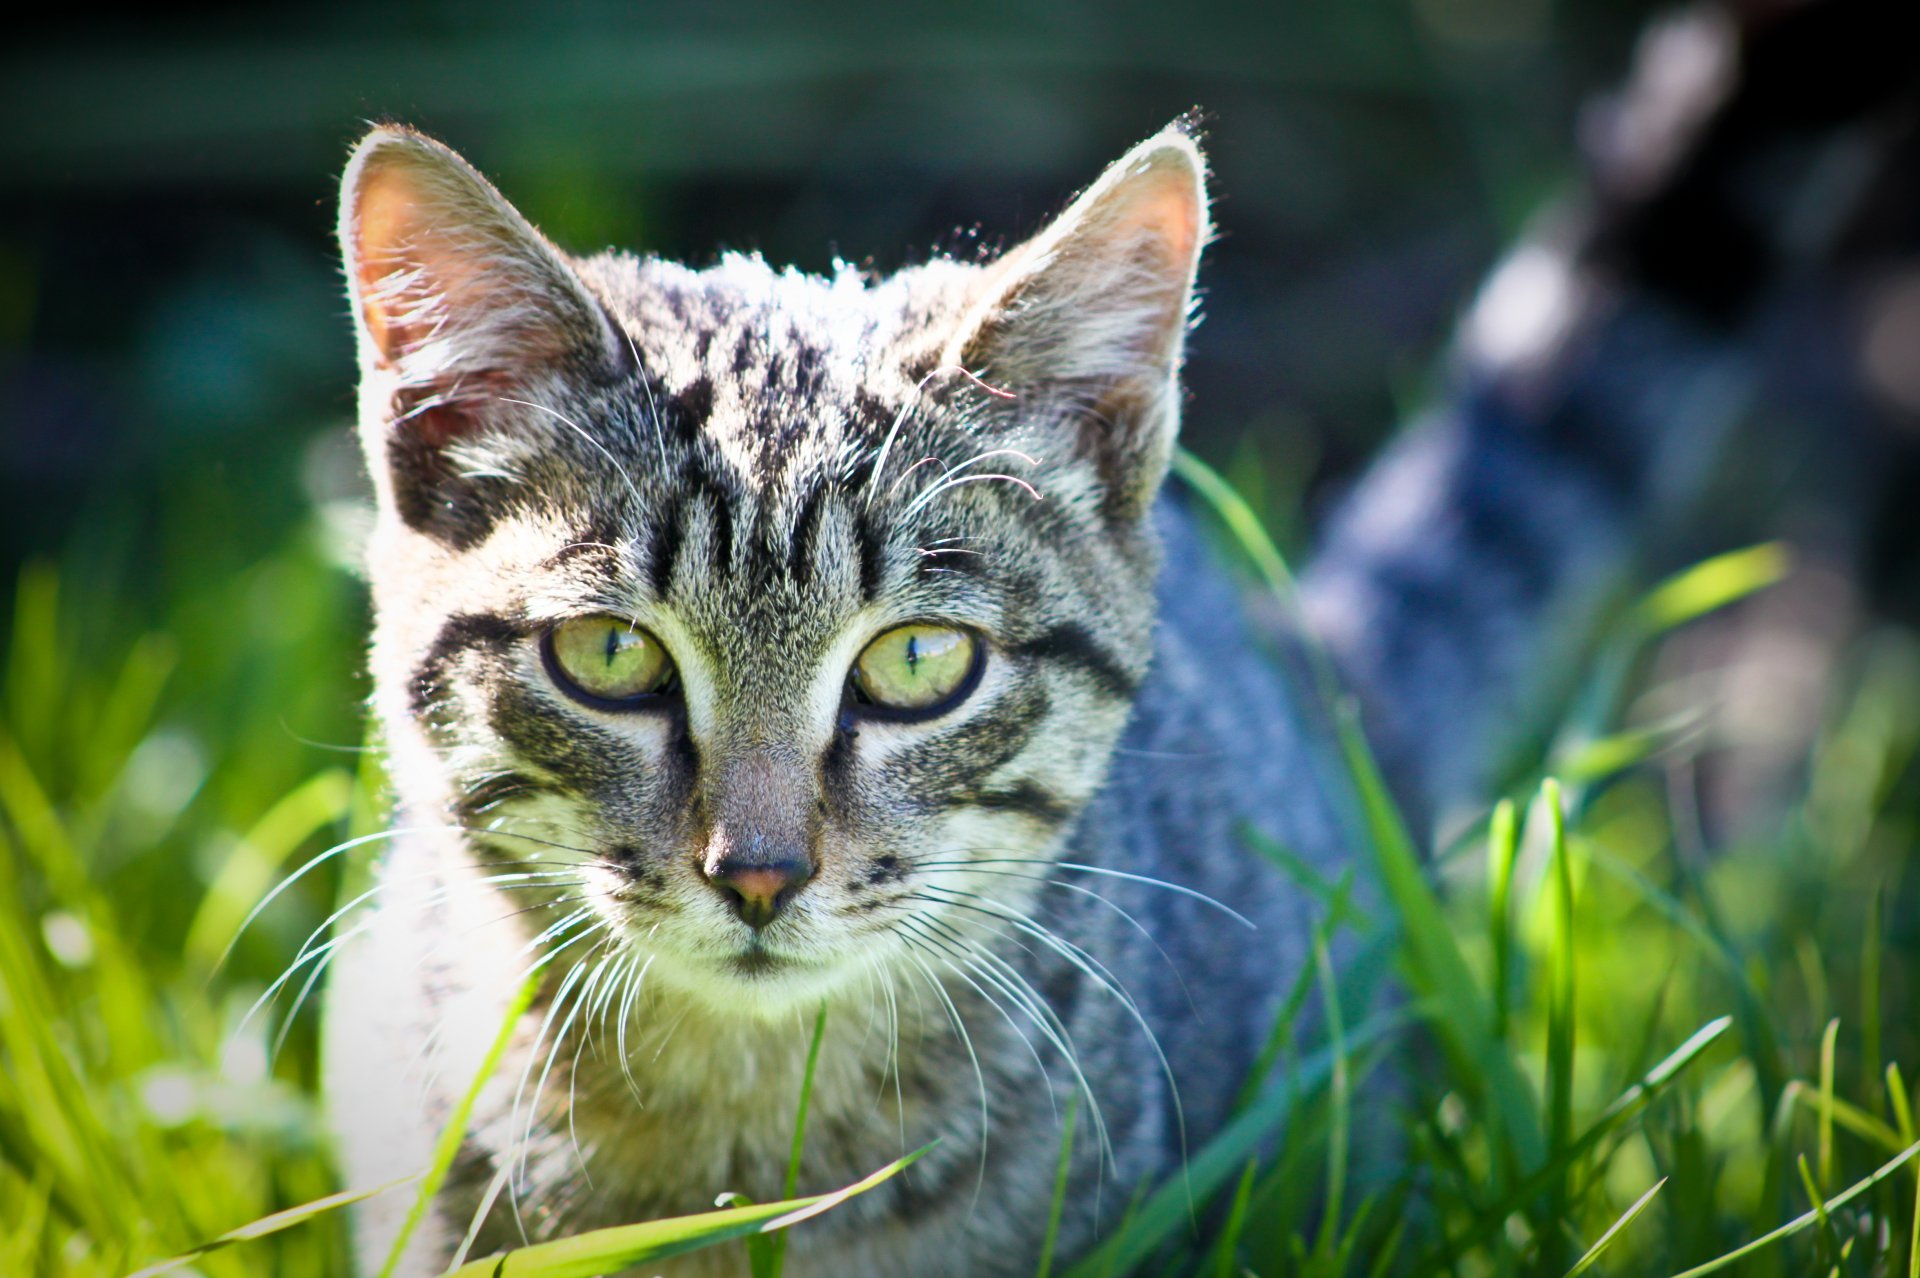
180 501
170 316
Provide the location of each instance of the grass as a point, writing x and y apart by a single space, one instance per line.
1635 1059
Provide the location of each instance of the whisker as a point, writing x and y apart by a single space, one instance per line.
1142 879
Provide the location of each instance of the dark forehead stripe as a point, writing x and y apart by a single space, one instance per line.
873 555
663 545
1072 644
720 506
801 548
463 632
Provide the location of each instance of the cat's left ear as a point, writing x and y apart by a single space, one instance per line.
1086 322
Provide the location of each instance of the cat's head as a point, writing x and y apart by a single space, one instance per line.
781 617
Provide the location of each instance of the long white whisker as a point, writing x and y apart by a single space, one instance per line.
979 1075
1146 880
1100 974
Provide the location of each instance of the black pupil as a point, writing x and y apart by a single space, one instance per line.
613 644
913 653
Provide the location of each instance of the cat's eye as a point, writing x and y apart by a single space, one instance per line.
608 659
916 671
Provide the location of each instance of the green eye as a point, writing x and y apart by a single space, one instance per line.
916 668
607 659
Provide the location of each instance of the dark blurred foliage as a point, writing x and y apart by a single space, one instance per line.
172 332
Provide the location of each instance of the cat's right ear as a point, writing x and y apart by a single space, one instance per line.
1085 323
461 306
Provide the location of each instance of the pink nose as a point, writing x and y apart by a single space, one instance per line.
759 889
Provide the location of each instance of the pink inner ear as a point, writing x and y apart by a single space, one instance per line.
435 426
437 264
393 288
1162 210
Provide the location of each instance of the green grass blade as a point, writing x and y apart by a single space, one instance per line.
447 1148
1872 946
1820 1212
1167 1208
1490 1220
1913 1240
768 1261
1229 1240
266 1225
605 1251
1829 1109
1059 1204
1710 585
248 873
1829 1047
1338 1102
1503 846
1902 1107
1433 965
1605 1240
1560 1031
1239 519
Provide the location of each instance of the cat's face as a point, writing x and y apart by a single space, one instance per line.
780 619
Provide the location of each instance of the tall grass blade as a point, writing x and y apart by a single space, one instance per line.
606 1251
1060 1173
1829 1047
1605 1240
1821 1211
1503 845
1712 584
1228 1243
1339 1103
1239 519
1560 1031
767 1260
265 1226
1166 1209
1432 963
1490 1219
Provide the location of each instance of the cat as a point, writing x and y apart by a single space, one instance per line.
750 643
649 541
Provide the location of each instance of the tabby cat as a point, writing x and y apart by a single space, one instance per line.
750 643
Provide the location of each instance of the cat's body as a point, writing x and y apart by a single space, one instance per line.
1038 886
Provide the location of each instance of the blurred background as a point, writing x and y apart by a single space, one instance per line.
169 299
180 496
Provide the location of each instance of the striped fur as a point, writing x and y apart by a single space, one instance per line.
766 470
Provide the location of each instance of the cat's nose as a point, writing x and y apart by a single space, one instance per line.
759 887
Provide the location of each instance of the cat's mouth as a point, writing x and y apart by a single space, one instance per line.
756 961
